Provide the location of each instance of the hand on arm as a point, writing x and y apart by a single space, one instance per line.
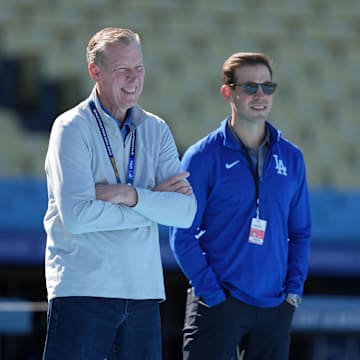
177 184
117 194
127 195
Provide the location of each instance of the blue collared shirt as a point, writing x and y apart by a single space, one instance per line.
125 126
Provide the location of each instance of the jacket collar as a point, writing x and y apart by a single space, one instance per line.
230 141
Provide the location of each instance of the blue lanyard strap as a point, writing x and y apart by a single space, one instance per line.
131 165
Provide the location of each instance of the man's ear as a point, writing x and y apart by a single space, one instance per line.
226 92
93 71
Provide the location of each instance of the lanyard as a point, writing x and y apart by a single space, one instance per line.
131 165
255 175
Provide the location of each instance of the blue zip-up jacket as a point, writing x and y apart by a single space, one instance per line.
215 253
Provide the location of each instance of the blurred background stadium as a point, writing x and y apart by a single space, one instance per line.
315 46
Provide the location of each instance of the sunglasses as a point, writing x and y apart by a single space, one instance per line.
251 88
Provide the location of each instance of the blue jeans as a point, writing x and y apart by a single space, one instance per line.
93 328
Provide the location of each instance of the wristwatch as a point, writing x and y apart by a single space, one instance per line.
295 299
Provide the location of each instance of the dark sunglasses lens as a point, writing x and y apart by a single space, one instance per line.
250 88
268 88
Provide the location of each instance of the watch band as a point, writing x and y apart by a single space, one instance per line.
295 299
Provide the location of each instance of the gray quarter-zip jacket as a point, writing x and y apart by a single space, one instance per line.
97 248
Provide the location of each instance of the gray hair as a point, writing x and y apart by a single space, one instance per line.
110 35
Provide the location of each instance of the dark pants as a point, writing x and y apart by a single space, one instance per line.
215 333
91 328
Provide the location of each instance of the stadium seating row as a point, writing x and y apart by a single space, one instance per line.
314 45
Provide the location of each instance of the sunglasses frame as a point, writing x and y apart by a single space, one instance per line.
251 87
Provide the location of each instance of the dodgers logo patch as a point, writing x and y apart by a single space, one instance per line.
279 166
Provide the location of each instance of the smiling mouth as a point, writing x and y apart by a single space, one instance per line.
129 91
259 107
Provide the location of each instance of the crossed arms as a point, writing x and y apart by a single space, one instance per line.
127 195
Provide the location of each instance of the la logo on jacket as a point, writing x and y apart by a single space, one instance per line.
279 166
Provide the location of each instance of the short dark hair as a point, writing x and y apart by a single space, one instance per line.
241 59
